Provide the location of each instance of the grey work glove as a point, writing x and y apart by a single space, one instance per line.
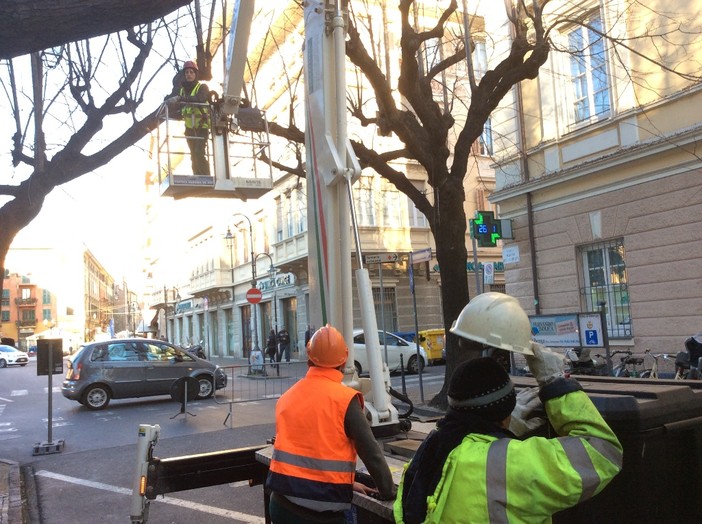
172 100
545 365
525 417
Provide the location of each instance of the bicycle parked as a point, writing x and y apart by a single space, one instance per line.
654 371
628 365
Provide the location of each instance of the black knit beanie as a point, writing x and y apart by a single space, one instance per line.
483 387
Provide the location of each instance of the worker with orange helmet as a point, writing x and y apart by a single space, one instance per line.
192 101
320 429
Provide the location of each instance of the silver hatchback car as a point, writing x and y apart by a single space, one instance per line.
132 368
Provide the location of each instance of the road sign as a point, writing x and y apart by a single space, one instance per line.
423 255
489 273
254 295
381 258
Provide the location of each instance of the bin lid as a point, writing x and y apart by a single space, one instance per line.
429 332
635 407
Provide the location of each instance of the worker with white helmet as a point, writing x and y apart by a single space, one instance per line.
474 468
320 429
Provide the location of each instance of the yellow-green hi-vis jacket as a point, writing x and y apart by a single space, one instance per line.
490 480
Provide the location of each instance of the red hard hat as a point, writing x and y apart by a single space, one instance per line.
327 348
190 65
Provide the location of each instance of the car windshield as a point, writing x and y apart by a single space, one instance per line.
392 340
8 349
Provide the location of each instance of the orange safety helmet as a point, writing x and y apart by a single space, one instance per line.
190 65
327 348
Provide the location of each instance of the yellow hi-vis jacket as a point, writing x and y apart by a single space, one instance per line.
490 480
194 116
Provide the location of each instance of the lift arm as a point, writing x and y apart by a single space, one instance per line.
155 476
237 52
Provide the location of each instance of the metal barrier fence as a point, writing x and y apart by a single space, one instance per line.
246 383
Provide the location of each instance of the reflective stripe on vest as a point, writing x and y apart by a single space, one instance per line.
194 117
529 480
329 466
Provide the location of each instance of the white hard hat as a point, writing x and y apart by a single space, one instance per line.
496 320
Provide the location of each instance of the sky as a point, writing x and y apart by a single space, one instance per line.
103 210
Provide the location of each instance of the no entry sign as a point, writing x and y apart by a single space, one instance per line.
254 295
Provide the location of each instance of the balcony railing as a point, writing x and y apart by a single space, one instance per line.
25 302
27 323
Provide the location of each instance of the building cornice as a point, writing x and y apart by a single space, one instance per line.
635 153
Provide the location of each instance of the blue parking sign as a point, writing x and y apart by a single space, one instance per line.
591 337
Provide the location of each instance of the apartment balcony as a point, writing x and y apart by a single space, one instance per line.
217 278
26 302
27 323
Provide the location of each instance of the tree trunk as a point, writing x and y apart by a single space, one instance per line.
34 25
449 230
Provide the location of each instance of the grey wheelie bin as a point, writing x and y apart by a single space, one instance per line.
659 424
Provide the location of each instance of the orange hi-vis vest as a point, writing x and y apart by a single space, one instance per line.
313 459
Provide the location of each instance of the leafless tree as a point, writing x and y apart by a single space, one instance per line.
77 106
425 124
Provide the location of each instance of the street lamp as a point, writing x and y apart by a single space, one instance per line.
229 237
165 310
230 244
253 281
272 271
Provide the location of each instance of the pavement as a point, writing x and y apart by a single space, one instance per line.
13 505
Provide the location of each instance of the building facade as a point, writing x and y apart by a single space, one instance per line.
606 201
26 309
50 292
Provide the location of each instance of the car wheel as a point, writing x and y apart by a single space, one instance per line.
206 388
412 365
3 363
96 397
358 368
23 364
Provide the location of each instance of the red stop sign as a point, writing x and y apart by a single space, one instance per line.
254 295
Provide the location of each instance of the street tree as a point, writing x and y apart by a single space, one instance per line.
436 106
76 107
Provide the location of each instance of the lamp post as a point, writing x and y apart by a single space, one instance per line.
272 271
230 244
253 281
174 331
165 310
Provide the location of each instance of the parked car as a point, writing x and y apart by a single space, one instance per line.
396 346
10 356
133 368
